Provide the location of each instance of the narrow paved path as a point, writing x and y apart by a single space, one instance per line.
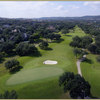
78 64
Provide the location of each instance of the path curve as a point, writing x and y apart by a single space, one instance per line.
78 64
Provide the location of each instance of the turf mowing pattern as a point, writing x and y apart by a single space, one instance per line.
33 74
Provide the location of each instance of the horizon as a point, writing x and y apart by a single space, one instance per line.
39 9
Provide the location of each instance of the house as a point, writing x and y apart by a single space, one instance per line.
51 28
14 30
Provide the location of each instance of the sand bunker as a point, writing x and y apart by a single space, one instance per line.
50 62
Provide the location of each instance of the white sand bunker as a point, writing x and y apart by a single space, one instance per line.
50 62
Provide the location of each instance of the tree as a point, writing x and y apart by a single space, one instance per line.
75 84
92 47
57 36
98 50
43 45
51 36
1 56
36 36
31 49
77 38
98 59
65 31
18 39
7 47
31 38
74 44
9 95
76 51
11 64
86 40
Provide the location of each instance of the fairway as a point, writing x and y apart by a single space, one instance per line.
33 74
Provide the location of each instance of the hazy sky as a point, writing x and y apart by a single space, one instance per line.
37 9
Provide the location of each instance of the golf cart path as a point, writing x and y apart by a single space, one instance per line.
78 64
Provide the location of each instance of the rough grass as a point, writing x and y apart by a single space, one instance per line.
46 88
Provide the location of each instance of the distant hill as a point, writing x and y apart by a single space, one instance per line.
61 18
70 18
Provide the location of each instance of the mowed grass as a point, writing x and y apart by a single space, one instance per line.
33 74
92 74
45 88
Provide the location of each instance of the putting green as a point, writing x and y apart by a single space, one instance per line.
33 74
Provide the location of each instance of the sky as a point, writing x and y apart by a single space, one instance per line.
38 9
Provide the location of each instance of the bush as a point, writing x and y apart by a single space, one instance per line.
9 95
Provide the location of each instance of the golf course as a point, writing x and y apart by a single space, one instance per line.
37 80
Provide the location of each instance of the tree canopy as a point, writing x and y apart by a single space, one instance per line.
43 45
23 49
11 64
75 84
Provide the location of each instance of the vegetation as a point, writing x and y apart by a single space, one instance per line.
75 84
98 59
13 46
9 95
11 64
43 45
23 49
77 52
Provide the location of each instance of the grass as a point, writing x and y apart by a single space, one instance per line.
92 74
34 74
46 88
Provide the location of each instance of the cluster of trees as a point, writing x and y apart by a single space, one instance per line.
90 27
7 47
24 49
65 31
79 52
75 85
81 42
33 38
95 48
52 36
21 49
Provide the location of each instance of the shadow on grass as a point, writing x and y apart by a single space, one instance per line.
92 97
36 54
88 61
12 54
69 35
48 49
57 41
16 69
37 41
1 61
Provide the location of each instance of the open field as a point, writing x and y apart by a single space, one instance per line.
44 87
